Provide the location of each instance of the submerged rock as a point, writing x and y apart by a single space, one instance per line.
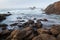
53 8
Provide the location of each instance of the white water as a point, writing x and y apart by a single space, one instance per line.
30 14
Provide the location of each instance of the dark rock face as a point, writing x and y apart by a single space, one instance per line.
3 16
3 26
53 8
4 34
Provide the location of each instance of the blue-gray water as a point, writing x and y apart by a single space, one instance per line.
27 14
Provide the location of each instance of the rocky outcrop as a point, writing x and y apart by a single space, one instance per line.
20 34
53 8
55 30
44 37
3 16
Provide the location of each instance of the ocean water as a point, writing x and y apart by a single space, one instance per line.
27 14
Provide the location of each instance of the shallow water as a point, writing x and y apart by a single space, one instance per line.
30 14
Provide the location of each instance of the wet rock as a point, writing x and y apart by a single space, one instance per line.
20 34
26 24
14 24
22 20
38 24
19 17
4 34
30 21
3 16
43 31
58 37
3 26
55 30
44 37
34 18
41 20
45 20
53 8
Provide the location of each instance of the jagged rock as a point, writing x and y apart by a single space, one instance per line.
55 30
30 21
4 34
3 26
14 24
20 34
53 8
43 31
44 37
3 16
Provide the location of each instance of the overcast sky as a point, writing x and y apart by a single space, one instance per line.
24 3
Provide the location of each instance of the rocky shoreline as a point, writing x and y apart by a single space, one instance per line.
30 31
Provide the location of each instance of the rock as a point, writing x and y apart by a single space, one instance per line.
41 20
44 37
58 37
38 24
22 20
19 17
45 20
26 24
3 16
55 30
20 34
43 31
4 34
34 19
53 8
30 21
3 26
29 37
14 24
36 38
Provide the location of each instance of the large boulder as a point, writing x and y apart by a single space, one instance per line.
44 37
20 34
55 30
43 31
53 8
